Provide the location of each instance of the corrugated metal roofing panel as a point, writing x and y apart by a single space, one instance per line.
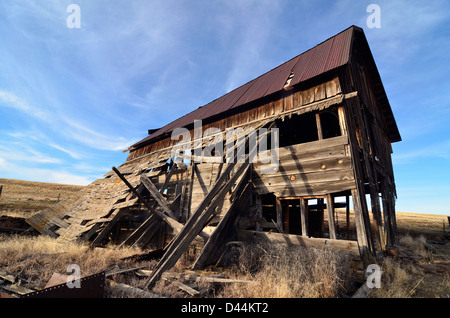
280 78
324 57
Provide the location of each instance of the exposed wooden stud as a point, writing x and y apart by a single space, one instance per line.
330 211
347 215
222 233
171 221
279 211
303 216
162 202
108 228
361 230
195 223
319 127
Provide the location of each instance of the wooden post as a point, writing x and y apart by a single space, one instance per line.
319 127
259 212
321 211
330 211
347 215
279 211
303 217
361 233
187 208
388 228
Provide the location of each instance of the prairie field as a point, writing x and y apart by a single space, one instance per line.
417 267
23 198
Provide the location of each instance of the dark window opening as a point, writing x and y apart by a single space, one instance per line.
291 216
329 121
268 202
298 129
304 128
315 217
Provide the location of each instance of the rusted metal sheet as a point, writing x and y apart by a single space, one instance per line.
90 287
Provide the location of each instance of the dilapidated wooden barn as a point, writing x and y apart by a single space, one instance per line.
329 129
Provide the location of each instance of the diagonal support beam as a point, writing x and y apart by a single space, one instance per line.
196 223
221 234
162 202
177 226
172 222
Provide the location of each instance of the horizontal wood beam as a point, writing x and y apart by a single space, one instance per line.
298 240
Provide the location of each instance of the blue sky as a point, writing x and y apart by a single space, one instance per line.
72 99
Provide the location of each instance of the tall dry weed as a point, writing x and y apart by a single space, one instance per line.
35 259
397 280
415 244
290 272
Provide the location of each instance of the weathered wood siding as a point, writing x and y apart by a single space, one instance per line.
204 178
267 108
313 168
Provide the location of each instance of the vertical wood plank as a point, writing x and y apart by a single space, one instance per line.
259 211
308 96
330 211
319 127
342 124
297 99
347 215
303 216
361 235
330 88
279 214
319 92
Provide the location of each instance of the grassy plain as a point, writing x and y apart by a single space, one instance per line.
419 266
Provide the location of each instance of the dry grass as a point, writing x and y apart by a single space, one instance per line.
397 280
24 198
415 274
289 272
34 259
415 224
274 271
415 244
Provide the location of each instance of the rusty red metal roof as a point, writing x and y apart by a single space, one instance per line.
324 57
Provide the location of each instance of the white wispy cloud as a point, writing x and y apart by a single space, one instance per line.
8 99
95 139
59 123
17 152
436 150
71 153
63 176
